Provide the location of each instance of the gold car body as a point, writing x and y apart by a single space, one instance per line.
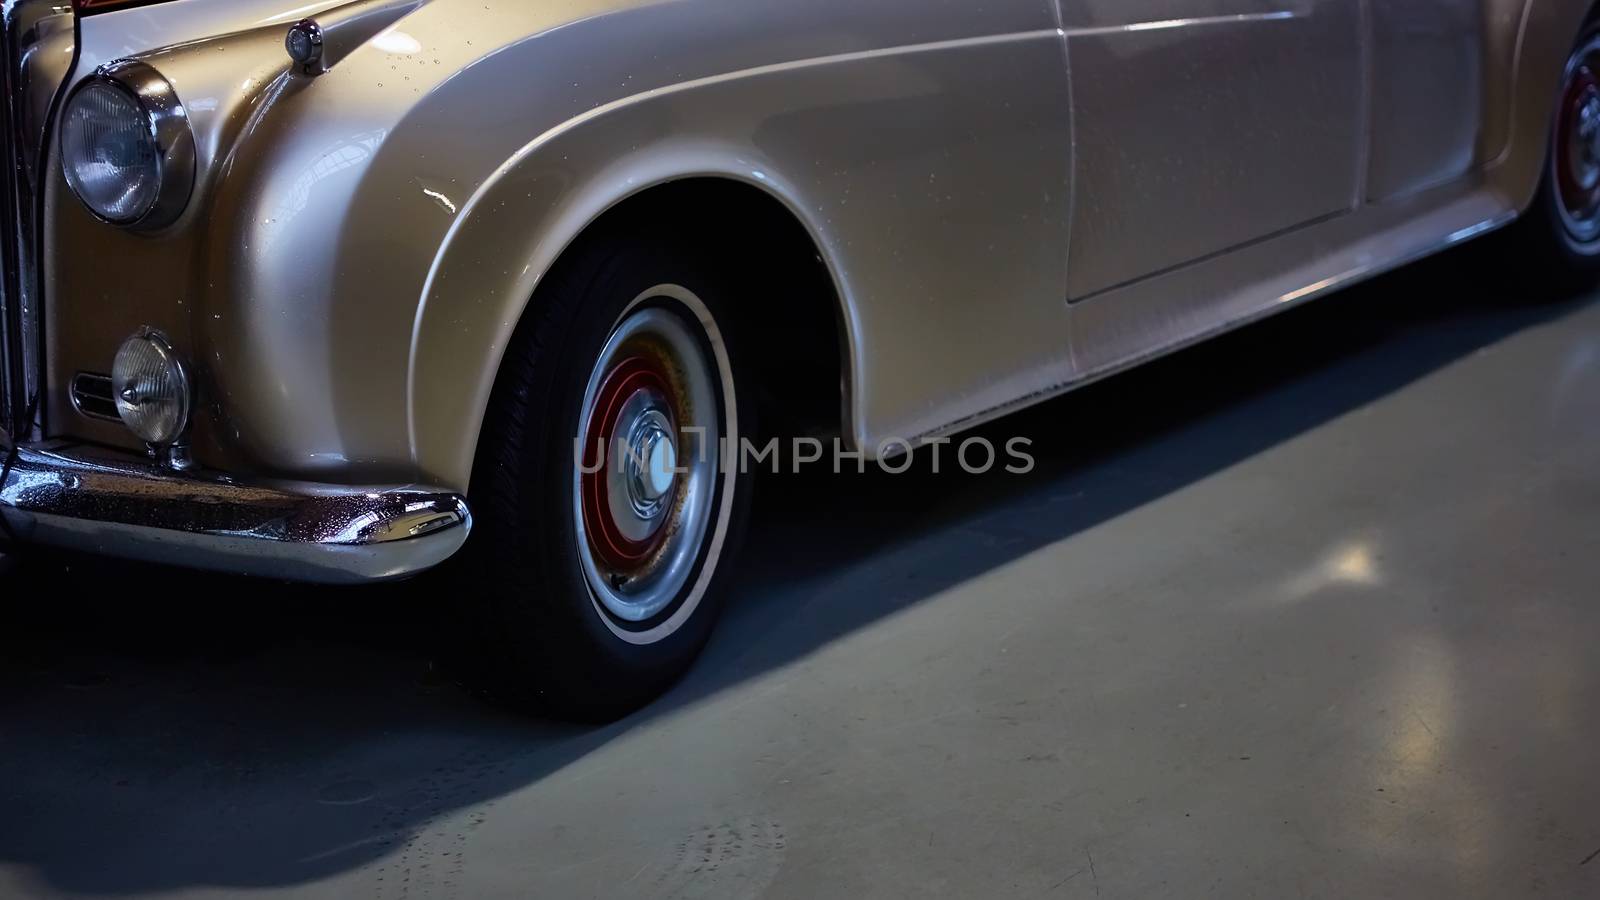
1012 198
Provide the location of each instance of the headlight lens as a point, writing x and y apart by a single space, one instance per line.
110 154
126 146
152 388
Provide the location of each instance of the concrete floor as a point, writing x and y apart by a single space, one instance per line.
1310 611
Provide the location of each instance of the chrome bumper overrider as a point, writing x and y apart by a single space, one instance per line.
116 505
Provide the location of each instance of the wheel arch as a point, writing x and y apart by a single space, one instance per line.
536 212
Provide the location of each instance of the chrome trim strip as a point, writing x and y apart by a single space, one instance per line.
1194 22
13 367
33 67
118 505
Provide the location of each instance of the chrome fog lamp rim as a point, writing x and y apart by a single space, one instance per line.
167 123
175 388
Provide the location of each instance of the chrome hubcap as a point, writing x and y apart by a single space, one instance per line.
1585 152
651 463
628 508
649 499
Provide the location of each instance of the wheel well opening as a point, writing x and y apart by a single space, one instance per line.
790 321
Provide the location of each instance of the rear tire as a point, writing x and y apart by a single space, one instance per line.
601 587
1557 241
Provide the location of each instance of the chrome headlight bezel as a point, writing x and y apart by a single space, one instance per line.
166 122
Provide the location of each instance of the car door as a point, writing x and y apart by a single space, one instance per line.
1206 125
1428 93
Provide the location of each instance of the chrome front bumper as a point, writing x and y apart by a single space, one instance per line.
102 502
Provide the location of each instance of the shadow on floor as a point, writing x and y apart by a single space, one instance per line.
163 730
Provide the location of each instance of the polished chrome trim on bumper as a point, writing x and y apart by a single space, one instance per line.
117 505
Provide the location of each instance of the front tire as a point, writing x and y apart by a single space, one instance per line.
607 493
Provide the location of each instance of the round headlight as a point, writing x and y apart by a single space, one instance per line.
152 388
126 146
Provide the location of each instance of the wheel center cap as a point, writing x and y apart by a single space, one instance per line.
663 458
651 464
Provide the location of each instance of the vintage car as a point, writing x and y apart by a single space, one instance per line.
308 290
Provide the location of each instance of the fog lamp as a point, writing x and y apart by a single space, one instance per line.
126 146
152 388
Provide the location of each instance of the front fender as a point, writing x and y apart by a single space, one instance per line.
530 214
